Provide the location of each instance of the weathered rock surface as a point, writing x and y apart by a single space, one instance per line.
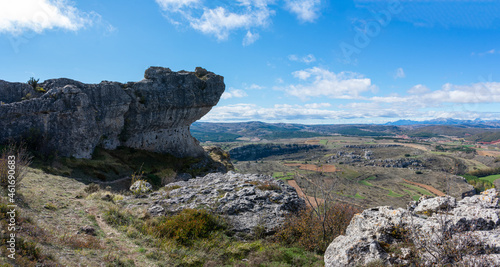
73 118
141 187
381 234
246 200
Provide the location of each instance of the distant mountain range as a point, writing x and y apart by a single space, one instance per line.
474 130
470 123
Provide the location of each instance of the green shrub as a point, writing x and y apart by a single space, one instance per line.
188 225
33 83
116 217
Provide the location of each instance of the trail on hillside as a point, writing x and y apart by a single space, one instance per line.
123 243
310 201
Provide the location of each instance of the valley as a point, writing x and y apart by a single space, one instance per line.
395 165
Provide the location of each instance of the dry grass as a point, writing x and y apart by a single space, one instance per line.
312 232
14 159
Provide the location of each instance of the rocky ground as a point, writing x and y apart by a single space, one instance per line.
432 231
246 200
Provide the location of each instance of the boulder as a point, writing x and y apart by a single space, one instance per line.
141 187
245 200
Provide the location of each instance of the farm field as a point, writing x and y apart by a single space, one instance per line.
371 172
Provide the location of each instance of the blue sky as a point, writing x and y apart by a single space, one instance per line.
310 61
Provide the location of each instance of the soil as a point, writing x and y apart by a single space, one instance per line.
312 167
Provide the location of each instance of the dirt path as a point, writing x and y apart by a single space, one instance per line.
121 243
310 201
312 167
428 187
488 153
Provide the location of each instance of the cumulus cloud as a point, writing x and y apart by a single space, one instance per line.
233 93
305 10
485 92
221 18
453 101
19 16
319 82
418 89
254 86
220 21
399 73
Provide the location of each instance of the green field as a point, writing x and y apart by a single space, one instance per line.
283 176
365 183
359 196
413 195
419 189
393 194
490 178
323 142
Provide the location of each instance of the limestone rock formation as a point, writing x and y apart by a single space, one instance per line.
73 118
141 187
432 231
246 200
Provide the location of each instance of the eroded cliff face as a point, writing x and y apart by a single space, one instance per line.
73 118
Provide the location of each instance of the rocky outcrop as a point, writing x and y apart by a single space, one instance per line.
432 231
73 118
245 200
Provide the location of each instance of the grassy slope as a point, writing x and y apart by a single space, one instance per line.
58 207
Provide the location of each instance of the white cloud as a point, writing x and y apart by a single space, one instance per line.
254 86
318 82
19 16
176 5
219 21
293 58
318 105
452 101
306 59
489 52
221 18
305 10
421 96
399 73
233 93
418 89
250 38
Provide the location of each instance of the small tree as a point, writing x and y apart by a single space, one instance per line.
34 84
